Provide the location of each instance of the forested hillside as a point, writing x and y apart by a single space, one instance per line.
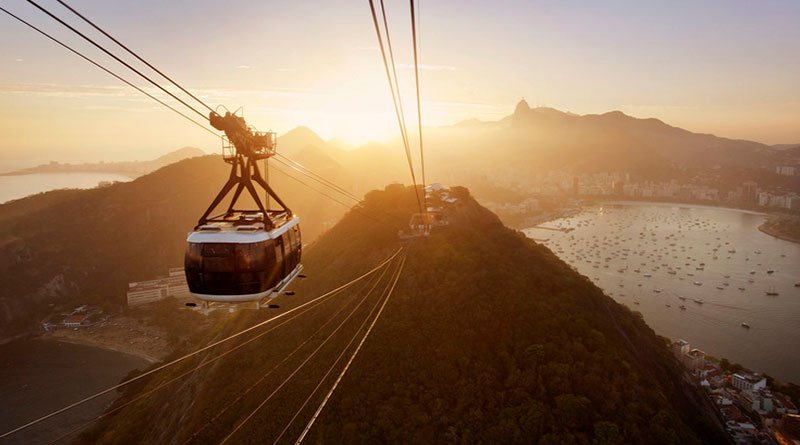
488 338
84 246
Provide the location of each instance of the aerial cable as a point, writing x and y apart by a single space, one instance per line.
350 361
192 354
394 101
310 187
185 373
403 128
275 367
298 368
133 53
100 47
300 168
339 357
419 104
120 78
319 178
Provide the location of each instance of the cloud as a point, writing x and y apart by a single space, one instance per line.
243 67
64 91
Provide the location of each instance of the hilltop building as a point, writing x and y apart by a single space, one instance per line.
148 291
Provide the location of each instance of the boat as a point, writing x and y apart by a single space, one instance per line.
683 308
772 292
741 288
697 283
745 325
698 301
720 287
647 275
770 271
797 284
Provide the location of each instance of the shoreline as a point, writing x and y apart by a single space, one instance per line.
120 334
682 204
83 341
769 231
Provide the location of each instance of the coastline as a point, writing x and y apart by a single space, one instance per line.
84 341
773 233
120 334
679 203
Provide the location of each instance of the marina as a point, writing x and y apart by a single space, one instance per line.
742 281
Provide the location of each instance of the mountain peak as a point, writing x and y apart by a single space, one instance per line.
301 132
298 139
522 106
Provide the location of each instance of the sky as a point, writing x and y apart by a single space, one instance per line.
729 68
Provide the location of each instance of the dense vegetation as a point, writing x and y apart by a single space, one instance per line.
488 338
69 247
784 226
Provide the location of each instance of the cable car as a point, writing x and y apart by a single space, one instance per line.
243 255
239 260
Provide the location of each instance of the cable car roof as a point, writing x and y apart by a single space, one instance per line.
236 232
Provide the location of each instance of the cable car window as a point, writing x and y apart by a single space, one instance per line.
278 250
217 249
250 257
193 256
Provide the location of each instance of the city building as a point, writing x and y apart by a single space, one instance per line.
750 192
694 359
748 382
786 170
680 348
143 292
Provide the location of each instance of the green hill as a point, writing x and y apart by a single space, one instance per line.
84 246
488 338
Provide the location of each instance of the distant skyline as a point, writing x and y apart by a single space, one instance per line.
724 67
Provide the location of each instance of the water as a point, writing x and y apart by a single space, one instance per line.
669 242
19 186
39 376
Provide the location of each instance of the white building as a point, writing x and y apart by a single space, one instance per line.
679 348
748 382
786 170
143 292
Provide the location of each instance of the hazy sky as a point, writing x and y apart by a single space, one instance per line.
725 67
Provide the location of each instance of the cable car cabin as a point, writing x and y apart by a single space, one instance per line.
237 260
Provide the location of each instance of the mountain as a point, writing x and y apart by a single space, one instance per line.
488 338
83 246
133 169
522 149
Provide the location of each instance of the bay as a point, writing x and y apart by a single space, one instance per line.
38 376
695 273
20 186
